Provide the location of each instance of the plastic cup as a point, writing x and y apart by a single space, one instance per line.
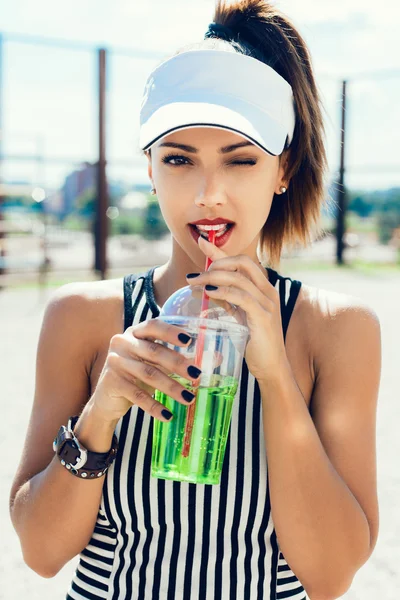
221 364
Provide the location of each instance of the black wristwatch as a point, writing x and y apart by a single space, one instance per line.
76 458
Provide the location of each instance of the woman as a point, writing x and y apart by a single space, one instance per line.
232 131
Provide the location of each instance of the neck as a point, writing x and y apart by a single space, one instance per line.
172 275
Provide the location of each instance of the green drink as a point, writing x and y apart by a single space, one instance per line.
210 431
191 446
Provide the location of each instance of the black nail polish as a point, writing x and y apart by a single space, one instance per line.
165 413
210 288
192 275
188 396
194 372
182 337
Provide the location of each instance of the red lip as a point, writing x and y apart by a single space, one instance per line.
219 241
218 221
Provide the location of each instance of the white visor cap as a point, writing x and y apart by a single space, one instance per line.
217 88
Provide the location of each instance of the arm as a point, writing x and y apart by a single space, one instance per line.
47 503
322 470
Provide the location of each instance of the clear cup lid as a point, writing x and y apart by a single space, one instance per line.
186 302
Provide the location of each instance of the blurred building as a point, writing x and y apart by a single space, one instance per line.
76 184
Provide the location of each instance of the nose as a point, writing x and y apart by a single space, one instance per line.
211 194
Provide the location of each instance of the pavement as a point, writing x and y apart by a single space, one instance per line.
21 313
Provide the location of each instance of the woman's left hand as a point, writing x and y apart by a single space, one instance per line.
241 282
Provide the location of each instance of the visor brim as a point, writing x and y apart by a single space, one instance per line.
245 120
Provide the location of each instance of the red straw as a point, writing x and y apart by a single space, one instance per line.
199 355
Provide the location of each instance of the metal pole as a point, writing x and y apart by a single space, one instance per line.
341 214
101 221
2 230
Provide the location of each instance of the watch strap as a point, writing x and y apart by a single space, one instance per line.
76 458
95 460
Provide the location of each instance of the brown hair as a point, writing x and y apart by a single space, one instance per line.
264 33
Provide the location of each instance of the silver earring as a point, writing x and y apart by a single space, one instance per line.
153 191
282 189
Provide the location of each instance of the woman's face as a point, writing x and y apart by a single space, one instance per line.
209 177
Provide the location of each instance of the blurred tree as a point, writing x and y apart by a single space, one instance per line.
388 222
154 225
389 215
85 203
126 224
360 206
384 205
364 202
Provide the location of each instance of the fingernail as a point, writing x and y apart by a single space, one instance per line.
182 337
186 395
210 288
166 414
192 275
194 372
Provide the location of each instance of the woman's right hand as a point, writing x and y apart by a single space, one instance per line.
136 365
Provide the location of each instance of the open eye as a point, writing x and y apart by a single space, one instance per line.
178 157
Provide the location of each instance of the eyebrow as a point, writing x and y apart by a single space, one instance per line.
223 150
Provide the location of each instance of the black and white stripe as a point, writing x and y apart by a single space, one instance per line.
160 539
288 586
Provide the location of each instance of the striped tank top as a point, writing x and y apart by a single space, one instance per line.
157 539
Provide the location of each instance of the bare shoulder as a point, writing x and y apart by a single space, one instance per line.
89 291
90 300
326 306
336 320
88 312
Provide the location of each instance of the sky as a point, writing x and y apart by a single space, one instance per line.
49 92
